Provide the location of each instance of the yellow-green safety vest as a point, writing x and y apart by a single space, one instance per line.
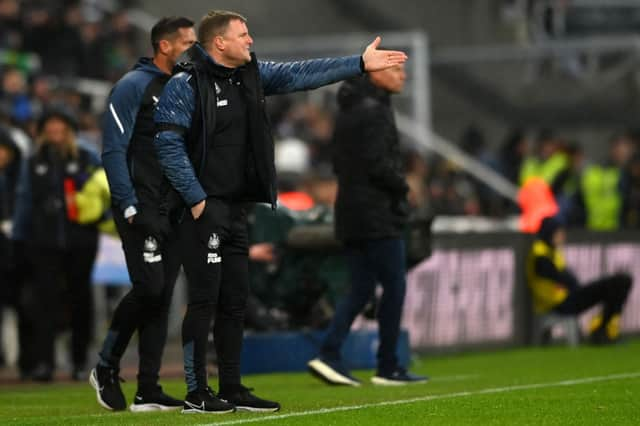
547 170
602 198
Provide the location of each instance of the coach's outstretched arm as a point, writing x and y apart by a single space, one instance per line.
287 77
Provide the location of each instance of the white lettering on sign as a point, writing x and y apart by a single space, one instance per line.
459 297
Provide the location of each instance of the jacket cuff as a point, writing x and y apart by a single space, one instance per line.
126 203
195 196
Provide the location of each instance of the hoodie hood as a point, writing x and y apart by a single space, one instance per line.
548 227
147 65
355 90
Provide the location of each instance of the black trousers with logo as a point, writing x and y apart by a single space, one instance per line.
153 264
215 250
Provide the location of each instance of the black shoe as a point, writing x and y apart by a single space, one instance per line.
154 400
244 400
397 377
206 401
331 372
106 382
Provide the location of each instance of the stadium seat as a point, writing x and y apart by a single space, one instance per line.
543 324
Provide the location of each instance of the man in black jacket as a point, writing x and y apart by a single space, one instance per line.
371 214
139 197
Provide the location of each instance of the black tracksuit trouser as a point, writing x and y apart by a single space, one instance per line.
612 291
153 264
51 269
215 250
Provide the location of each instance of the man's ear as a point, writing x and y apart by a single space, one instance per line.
165 46
218 41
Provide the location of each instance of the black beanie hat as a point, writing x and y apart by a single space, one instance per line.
61 114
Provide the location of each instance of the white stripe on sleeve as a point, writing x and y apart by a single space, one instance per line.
115 117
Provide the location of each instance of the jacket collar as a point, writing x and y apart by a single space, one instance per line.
198 56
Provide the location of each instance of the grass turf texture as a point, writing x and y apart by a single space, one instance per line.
477 388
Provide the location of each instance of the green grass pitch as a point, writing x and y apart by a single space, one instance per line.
541 386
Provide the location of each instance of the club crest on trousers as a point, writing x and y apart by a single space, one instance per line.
214 241
150 244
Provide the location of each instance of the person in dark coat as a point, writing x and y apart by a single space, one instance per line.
371 214
60 250
10 160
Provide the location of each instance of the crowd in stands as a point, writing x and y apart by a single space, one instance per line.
46 46
599 193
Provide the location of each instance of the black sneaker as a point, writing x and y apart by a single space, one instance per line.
205 401
154 400
244 400
106 382
332 372
398 377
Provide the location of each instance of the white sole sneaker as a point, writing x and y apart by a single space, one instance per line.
197 411
324 371
145 408
382 381
256 410
93 380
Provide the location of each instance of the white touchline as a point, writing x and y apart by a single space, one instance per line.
433 397
115 116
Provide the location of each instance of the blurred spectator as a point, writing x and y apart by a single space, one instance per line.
10 163
473 143
312 123
512 154
452 192
41 92
604 187
61 251
11 31
417 174
296 272
548 161
15 95
569 196
94 50
322 187
122 46
632 208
